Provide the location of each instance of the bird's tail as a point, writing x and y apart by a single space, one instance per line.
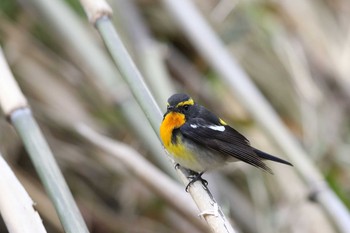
267 156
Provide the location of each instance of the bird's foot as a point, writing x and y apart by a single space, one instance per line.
194 176
177 166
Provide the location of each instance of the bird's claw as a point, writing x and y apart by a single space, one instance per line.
195 177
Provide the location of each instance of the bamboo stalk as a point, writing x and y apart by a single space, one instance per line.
129 71
148 51
214 51
16 109
203 198
81 45
16 207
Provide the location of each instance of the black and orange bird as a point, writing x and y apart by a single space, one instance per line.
200 141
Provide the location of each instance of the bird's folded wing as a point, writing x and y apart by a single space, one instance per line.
223 139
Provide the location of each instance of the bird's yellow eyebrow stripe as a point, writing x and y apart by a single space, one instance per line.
187 102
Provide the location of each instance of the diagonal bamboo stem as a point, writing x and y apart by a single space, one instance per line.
98 65
16 109
100 17
201 196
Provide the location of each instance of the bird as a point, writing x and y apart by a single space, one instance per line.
200 141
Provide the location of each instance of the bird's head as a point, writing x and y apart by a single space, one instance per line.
181 103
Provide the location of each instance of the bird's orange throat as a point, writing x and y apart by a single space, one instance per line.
178 150
170 122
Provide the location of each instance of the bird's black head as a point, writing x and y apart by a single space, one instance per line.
181 103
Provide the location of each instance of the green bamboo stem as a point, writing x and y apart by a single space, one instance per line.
15 107
100 17
48 171
152 64
129 71
92 58
201 196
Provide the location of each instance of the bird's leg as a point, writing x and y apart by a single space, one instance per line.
195 176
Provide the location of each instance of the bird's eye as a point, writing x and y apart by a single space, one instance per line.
185 107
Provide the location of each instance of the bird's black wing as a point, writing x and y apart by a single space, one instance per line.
223 139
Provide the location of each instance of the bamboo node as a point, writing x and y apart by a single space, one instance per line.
96 9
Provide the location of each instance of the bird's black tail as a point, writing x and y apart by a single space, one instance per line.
267 156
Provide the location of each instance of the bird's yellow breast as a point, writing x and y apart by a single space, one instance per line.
171 121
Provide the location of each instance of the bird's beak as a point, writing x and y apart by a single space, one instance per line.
169 109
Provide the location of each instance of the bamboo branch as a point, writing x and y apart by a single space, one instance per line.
132 76
16 109
82 46
148 51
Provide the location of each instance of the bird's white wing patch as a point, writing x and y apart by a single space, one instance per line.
220 128
217 127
